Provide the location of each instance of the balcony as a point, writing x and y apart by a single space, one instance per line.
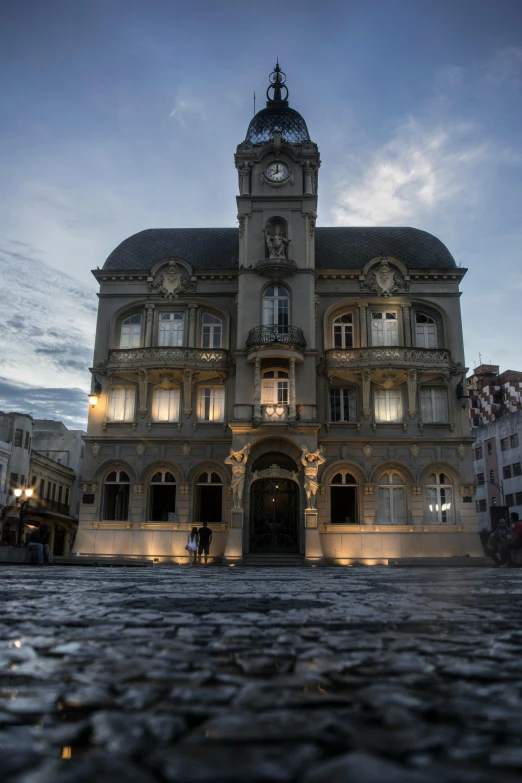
276 414
170 358
276 268
425 359
286 336
39 504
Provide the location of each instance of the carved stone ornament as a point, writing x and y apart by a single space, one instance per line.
172 281
462 450
137 489
367 451
384 281
95 448
140 450
274 471
414 450
186 449
88 487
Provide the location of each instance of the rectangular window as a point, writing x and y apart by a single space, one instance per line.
514 441
388 405
342 404
483 505
18 437
49 488
392 506
480 478
490 449
14 480
506 472
517 469
121 403
434 403
22 480
60 492
211 331
504 444
211 403
41 491
274 392
33 481
130 335
510 500
384 329
426 334
478 453
66 496
492 475
54 492
165 405
171 329
27 440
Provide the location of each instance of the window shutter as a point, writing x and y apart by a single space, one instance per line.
391 333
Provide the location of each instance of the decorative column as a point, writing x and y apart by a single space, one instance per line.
406 320
313 547
149 324
366 377
188 376
257 390
143 386
291 407
363 306
412 393
308 170
192 308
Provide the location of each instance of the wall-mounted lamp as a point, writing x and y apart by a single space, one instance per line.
461 393
94 396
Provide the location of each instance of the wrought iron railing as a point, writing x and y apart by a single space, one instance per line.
267 335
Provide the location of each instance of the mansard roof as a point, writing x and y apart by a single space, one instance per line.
335 248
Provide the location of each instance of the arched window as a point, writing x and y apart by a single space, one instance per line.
425 331
392 500
343 331
276 306
385 330
209 497
211 331
274 387
165 404
170 332
116 496
130 332
162 496
343 499
439 500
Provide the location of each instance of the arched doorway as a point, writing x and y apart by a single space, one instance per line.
274 504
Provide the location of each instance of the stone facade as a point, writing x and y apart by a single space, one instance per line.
319 370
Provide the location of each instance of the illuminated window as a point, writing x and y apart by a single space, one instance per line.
121 403
211 403
434 403
343 331
211 331
171 326
392 500
425 331
388 405
274 387
115 496
439 500
130 333
384 328
165 404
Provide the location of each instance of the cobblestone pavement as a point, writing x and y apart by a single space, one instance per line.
370 675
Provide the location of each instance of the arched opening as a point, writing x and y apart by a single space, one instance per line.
343 499
425 331
130 331
274 515
116 491
162 496
209 497
392 499
343 331
211 331
282 461
439 500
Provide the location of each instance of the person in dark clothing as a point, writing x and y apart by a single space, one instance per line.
205 539
508 550
39 540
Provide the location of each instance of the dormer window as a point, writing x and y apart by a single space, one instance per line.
343 331
171 327
425 331
130 333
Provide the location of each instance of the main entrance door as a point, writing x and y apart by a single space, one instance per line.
274 516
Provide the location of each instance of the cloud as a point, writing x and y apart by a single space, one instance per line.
185 107
419 169
506 66
65 404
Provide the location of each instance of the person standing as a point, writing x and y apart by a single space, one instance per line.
39 540
204 541
510 548
192 545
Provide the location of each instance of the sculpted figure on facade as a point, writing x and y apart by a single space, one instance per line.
238 460
310 461
276 243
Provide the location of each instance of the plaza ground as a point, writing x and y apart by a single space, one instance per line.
240 674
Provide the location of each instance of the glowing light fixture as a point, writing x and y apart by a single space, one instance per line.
94 396
17 493
28 493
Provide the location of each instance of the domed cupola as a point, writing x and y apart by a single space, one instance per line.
278 116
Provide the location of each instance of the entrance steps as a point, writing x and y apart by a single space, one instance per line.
273 559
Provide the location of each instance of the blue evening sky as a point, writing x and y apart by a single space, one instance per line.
120 115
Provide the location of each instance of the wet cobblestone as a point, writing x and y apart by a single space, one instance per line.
177 674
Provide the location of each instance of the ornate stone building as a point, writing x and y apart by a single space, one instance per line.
298 388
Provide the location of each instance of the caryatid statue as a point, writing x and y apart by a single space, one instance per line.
311 461
238 460
276 243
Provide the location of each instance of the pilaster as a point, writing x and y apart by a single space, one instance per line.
192 308
149 323
234 549
363 328
292 400
313 548
406 321
257 389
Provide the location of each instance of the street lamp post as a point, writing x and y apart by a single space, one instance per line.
18 494
501 488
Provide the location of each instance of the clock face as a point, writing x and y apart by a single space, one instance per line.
277 172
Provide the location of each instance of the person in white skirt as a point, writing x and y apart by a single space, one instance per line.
192 545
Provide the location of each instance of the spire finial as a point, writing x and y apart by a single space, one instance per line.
277 83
